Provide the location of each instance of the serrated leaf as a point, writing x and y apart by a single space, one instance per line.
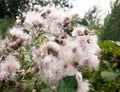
67 84
108 76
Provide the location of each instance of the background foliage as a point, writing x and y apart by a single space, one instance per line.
111 28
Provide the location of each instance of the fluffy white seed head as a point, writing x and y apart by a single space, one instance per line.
33 19
83 85
9 67
37 8
79 31
16 32
50 70
50 48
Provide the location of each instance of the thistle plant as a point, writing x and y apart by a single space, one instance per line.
38 46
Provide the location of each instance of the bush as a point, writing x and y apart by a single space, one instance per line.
5 24
38 54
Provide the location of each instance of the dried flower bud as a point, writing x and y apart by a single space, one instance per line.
34 90
26 31
75 64
50 48
86 32
20 86
22 74
6 42
34 70
16 32
36 8
60 38
11 83
66 22
65 64
49 11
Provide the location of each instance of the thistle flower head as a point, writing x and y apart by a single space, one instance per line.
32 19
49 72
37 8
9 67
16 32
79 31
50 48
60 38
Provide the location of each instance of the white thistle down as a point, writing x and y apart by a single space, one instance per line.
83 85
37 8
16 32
47 18
74 53
9 67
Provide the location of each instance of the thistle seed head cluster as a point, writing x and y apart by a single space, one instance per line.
56 58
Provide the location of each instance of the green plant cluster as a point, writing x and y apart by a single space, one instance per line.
5 24
111 27
110 51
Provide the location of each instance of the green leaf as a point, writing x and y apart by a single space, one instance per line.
46 90
109 49
67 84
108 76
107 45
106 63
